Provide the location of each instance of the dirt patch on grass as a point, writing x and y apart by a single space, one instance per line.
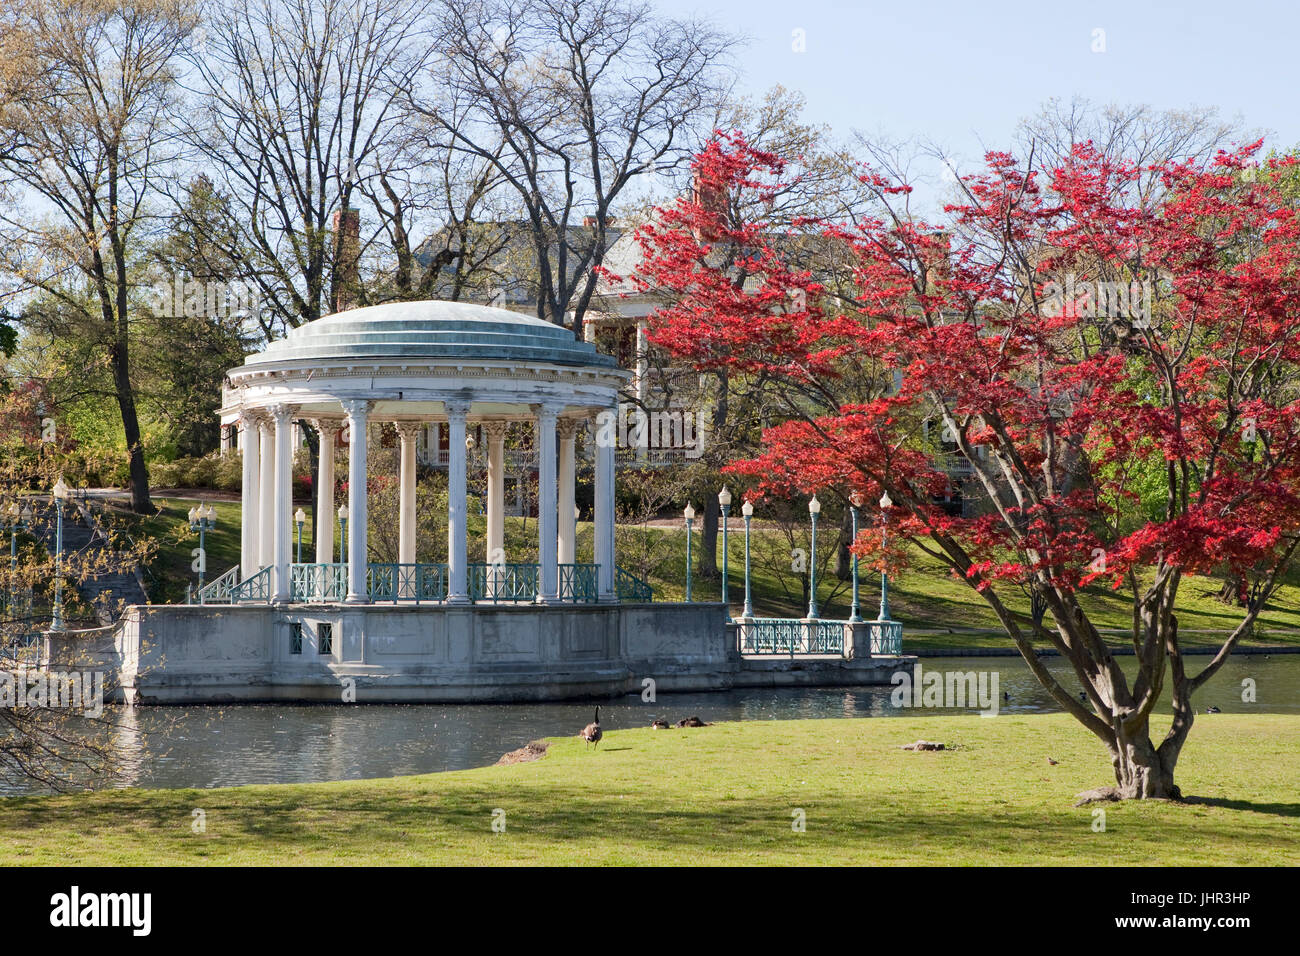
533 750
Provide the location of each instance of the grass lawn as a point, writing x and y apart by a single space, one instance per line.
724 795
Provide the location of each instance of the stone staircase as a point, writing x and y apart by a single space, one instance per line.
107 592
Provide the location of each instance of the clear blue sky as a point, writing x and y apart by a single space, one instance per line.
963 73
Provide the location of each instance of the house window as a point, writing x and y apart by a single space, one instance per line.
325 638
295 637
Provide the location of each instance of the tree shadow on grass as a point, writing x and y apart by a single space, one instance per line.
1275 809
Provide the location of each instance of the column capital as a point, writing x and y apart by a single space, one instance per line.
356 407
457 407
326 426
549 410
282 411
566 428
495 431
408 431
253 417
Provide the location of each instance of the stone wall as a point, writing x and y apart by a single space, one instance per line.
179 654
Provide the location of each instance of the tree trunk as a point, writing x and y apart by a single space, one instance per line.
843 559
313 450
140 501
1141 773
708 565
1232 590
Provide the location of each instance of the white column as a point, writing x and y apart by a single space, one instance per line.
358 413
457 538
435 439
642 367
604 530
548 575
282 511
251 511
408 432
496 492
225 439
327 429
567 543
266 494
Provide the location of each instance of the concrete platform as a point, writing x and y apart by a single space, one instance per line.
189 654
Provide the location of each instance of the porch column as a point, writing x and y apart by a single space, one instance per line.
266 495
606 439
358 414
327 429
408 432
283 505
567 429
457 547
496 491
548 574
251 509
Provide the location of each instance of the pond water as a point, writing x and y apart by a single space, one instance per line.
232 745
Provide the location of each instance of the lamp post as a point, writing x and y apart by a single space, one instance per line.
855 502
61 493
299 518
814 509
203 518
885 504
689 513
16 519
343 534
724 499
747 510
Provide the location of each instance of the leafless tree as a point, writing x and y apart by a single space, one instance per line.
85 132
570 101
299 102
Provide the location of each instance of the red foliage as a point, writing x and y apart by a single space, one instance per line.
1070 396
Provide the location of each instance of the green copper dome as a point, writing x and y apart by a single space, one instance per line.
455 331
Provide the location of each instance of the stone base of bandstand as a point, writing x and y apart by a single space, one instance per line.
186 654
406 653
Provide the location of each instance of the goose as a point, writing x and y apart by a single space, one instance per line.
1213 710
659 724
591 733
691 722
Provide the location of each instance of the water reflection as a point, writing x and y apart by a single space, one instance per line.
228 746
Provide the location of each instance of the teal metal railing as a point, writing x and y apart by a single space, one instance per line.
254 588
629 587
770 635
407 582
318 582
825 637
217 591
578 583
495 583
503 582
886 637
790 636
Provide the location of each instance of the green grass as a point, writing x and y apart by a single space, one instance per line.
724 795
928 599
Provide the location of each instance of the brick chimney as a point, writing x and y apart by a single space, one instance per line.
347 239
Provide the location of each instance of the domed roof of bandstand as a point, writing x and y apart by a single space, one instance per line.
462 332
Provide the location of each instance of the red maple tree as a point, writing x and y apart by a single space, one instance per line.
1116 373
